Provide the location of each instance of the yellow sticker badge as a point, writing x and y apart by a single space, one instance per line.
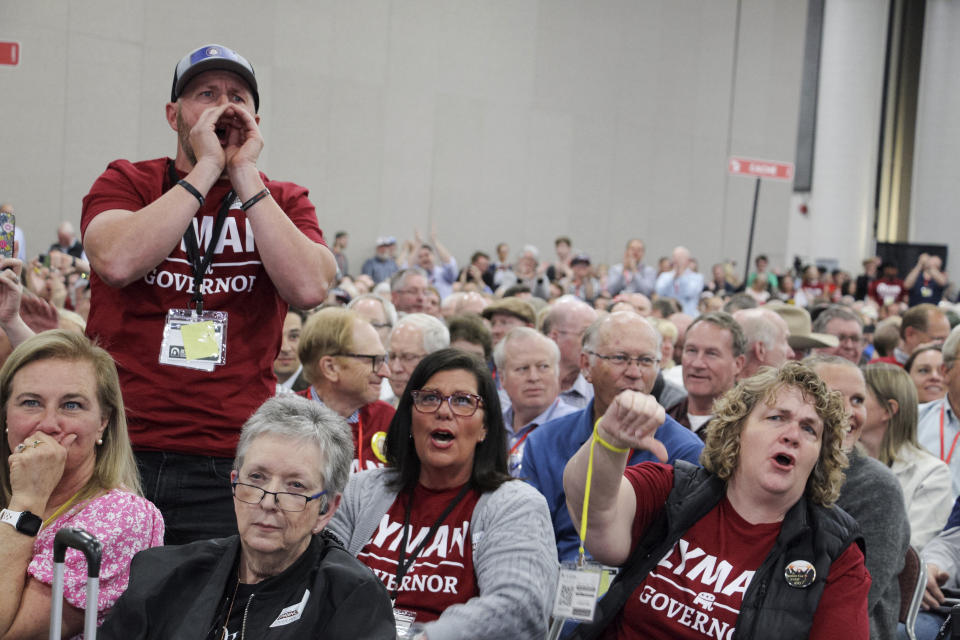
377 443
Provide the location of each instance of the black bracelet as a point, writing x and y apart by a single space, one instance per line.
192 190
260 195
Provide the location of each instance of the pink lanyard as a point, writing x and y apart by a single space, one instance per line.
943 409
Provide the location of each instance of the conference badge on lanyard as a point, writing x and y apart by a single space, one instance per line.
194 340
577 590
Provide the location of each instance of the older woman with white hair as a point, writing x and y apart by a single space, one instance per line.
283 572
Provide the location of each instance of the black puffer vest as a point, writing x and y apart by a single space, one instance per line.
771 607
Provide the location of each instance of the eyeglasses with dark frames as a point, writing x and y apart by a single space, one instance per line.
460 403
623 360
376 360
286 501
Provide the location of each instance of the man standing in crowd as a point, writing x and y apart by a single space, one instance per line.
382 265
345 364
631 275
441 275
527 363
888 288
564 323
938 424
681 283
766 334
415 336
178 248
925 282
712 357
620 351
841 322
339 248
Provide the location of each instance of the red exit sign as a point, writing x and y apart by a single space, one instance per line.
761 168
10 53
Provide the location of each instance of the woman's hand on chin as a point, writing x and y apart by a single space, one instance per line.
36 470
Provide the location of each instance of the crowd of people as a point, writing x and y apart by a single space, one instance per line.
262 438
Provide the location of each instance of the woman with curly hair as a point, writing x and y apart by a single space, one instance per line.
749 543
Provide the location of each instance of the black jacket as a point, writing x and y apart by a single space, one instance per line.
175 592
771 608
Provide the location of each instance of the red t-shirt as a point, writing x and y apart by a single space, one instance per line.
369 435
696 590
442 574
174 408
369 431
887 290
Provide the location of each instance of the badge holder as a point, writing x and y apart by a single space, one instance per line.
194 340
405 621
583 582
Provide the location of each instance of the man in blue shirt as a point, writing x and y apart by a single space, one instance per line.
620 351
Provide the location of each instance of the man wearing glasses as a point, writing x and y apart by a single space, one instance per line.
839 321
345 363
621 352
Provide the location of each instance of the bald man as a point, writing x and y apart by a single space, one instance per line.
766 334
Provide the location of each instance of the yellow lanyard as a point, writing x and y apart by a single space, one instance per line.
586 490
62 509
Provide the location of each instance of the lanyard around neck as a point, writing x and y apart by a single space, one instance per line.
403 562
199 264
943 410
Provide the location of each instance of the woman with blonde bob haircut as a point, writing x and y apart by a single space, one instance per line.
750 541
65 460
890 435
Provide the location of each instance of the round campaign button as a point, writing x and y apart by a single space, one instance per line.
377 443
800 574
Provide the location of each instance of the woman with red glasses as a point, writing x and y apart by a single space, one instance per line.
463 549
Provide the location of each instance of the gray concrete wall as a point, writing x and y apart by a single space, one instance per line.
514 120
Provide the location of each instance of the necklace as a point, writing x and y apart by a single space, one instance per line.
226 621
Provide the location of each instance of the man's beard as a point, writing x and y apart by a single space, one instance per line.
183 134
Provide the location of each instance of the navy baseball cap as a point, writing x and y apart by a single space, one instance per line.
213 57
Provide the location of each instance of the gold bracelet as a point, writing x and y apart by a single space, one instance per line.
596 436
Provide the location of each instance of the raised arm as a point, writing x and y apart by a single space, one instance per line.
11 294
630 421
299 268
123 246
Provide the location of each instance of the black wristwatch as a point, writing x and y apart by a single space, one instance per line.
23 521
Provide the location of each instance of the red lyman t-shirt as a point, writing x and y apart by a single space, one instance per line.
369 431
369 435
174 408
696 590
442 574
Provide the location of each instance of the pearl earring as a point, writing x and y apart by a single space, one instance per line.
99 440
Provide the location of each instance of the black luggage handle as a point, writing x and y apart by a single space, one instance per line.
78 539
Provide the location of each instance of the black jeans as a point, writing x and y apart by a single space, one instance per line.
192 492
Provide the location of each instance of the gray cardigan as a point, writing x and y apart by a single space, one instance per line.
872 495
514 557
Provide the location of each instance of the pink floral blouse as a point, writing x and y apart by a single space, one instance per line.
123 523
